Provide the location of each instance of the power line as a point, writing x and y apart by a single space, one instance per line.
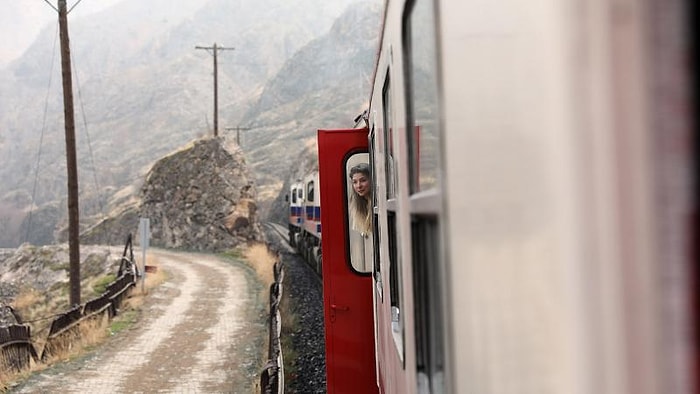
41 138
89 144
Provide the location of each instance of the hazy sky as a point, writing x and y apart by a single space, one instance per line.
22 20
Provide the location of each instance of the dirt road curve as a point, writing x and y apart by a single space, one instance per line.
202 332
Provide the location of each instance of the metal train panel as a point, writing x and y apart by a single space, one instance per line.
347 293
516 180
532 176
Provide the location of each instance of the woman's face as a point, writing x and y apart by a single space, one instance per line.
360 183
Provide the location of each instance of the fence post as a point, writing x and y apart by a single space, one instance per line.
144 230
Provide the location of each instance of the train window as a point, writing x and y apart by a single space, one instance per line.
426 303
392 230
422 110
395 284
294 195
422 126
376 267
360 211
300 191
389 164
310 191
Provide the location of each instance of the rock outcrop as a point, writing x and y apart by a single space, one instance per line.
201 197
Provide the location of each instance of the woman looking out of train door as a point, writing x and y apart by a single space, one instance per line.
361 199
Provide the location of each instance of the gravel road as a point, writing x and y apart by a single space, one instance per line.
202 331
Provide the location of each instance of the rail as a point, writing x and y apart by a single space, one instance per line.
17 345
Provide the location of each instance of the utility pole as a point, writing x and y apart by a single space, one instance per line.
238 132
214 49
72 167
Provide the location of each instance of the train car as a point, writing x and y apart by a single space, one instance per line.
295 200
309 239
304 205
534 203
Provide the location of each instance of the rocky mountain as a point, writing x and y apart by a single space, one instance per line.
21 22
142 89
324 85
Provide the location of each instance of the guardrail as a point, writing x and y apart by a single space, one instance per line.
272 376
16 344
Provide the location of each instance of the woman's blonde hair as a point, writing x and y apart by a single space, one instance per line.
360 211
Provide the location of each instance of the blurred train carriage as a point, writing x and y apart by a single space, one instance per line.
534 216
295 200
304 202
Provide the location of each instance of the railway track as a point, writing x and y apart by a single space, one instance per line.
304 289
279 232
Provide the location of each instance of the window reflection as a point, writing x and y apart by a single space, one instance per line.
423 115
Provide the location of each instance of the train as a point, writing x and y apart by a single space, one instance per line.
534 203
305 219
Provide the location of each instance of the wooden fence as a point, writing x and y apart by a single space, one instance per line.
272 376
17 346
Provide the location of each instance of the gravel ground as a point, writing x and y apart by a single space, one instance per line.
305 365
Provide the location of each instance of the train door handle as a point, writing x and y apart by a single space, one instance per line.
334 308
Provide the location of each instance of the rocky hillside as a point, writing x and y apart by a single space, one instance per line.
141 90
201 197
40 275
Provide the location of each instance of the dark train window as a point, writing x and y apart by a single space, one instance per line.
394 266
393 270
426 303
397 317
310 191
301 193
294 196
389 163
420 70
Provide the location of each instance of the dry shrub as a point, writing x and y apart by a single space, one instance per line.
153 280
26 299
94 330
6 372
37 309
263 261
76 340
9 374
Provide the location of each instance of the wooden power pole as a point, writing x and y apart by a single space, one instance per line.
238 133
214 50
72 165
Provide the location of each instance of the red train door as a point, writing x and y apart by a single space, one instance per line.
347 292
